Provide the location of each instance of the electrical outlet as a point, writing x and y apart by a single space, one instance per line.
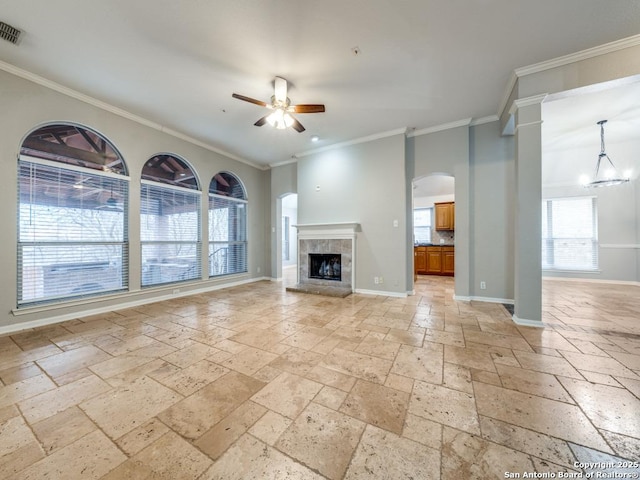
376 280
483 285
381 280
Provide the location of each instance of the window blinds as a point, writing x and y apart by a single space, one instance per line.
422 225
72 232
169 234
227 235
569 234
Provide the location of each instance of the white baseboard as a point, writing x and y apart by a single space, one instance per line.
527 323
593 280
508 301
381 293
461 298
18 327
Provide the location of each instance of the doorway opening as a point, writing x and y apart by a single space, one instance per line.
434 225
289 235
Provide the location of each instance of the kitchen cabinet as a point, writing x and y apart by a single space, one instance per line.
445 215
420 260
448 260
434 260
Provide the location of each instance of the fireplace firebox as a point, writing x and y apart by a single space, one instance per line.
325 266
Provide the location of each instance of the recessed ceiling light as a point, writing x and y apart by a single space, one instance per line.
315 138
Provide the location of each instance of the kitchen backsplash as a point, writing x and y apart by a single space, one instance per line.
446 235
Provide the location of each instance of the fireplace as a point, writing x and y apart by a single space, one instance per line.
325 266
326 258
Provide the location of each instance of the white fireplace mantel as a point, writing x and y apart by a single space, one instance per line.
327 230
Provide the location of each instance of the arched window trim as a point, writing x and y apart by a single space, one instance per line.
125 172
198 183
237 178
70 247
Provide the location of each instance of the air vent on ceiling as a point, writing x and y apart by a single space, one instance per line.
9 33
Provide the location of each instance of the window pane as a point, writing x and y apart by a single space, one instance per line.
422 225
170 234
569 234
227 230
72 237
51 272
170 262
422 217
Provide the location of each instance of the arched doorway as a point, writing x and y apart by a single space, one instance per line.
289 238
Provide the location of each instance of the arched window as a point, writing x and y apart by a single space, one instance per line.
169 221
227 225
73 193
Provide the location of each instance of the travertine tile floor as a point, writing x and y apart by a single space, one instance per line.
254 382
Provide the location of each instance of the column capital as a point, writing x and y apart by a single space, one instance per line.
526 102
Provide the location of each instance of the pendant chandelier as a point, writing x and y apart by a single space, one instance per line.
609 177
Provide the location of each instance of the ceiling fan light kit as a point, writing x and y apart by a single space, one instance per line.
609 178
281 117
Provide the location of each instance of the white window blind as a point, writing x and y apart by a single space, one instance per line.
72 232
169 234
422 225
569 234
227 235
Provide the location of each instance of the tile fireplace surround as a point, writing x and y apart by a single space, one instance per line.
331 238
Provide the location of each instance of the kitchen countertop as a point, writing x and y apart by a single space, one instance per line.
434 245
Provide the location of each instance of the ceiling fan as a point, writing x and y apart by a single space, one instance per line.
281 117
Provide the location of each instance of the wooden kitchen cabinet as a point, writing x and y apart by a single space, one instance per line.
448 260
445 215
434 260
420 260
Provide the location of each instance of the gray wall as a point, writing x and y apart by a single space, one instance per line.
617 230
447 152
363 183
26 105
492 175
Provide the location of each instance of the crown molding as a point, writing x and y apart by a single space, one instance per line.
356 141
564 60
482 120
579 56
293 159
439 128
526 102
511 84
50 84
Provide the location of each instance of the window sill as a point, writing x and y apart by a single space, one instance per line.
560 270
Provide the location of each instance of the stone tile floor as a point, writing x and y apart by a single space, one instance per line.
255 382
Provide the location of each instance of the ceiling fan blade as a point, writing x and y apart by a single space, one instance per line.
280 89
297 126
249 99
262 121
307 108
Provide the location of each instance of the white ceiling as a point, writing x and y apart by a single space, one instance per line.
571 135
422 62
